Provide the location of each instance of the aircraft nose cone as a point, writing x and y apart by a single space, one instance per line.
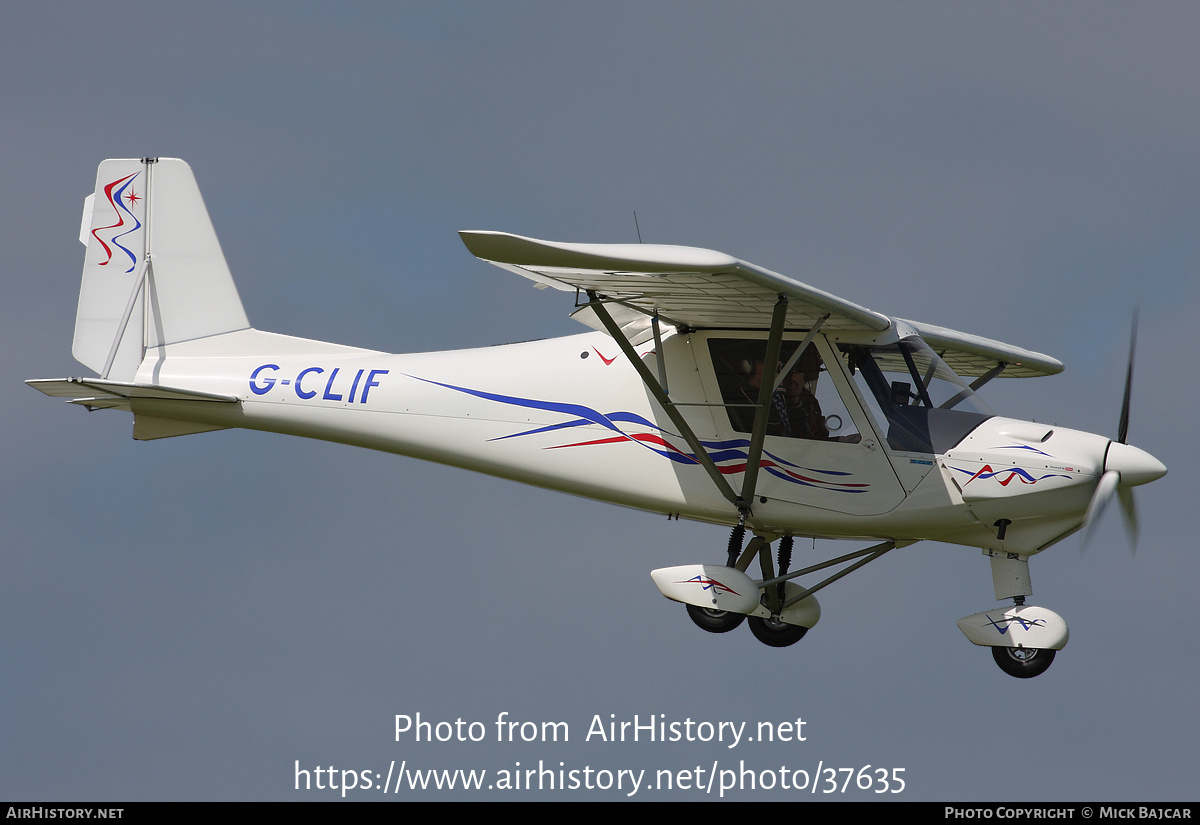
1135 466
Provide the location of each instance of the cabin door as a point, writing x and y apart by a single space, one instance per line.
821 449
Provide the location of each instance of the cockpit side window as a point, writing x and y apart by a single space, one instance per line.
805 405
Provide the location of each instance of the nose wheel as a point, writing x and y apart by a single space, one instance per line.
1023 662
1023 637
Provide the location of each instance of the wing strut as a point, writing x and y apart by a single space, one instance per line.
950 403
660 395
786 368
765 393
1000 367
658 352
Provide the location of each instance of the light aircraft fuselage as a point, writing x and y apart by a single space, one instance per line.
570 414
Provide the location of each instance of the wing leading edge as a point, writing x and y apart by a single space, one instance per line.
704 289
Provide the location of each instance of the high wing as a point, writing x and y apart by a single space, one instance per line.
699 288
703 289
974 355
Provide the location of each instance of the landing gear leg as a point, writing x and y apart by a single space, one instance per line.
735 544
772 630
1023 637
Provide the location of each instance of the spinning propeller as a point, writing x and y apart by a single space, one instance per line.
1125 467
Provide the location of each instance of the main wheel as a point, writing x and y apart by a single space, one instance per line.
714 621
776 633
1023 662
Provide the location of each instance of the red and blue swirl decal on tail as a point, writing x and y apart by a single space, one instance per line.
729 456
118 192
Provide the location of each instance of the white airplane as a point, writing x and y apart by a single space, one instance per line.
711 390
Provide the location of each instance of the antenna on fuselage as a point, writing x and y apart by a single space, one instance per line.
635 226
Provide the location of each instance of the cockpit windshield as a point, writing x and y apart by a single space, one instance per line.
922 404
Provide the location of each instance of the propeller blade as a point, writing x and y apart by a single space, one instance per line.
1123 427
1125 466
1105 489
1129 508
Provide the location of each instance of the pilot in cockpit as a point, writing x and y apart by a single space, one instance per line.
794 411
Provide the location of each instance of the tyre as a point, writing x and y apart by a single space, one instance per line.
714 621
775 633
1023 662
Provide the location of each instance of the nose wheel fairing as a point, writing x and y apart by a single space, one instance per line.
1017 626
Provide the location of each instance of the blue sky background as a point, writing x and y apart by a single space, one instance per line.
184 619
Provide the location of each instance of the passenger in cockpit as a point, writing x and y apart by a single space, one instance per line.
793 410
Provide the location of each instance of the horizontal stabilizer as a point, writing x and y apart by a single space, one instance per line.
146 402
118 391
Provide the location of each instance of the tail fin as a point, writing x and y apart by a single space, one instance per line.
154 273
